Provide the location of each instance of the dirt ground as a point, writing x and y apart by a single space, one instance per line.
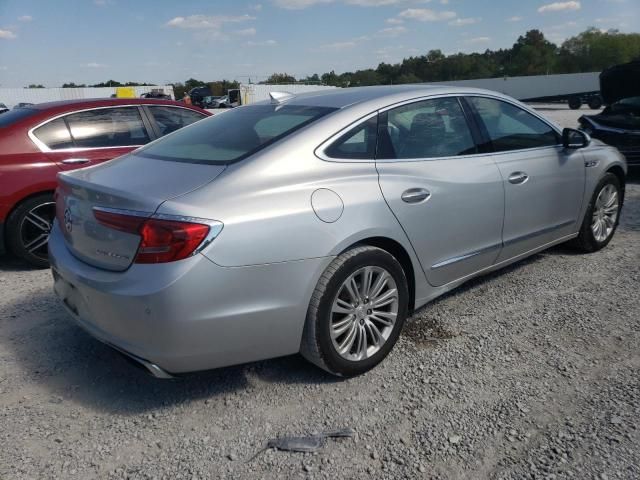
531 372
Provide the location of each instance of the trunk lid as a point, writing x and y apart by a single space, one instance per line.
130 183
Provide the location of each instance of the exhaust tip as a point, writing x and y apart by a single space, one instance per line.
150 368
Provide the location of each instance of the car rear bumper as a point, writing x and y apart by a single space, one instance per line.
192 314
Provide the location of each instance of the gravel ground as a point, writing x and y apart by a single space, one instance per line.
531 372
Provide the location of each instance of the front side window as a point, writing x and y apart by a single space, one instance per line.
357 143
512 128
107 127
426 129
234 135
54 134
170 119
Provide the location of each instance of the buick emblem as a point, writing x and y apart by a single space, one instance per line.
68 222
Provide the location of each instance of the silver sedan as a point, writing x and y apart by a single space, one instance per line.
317 223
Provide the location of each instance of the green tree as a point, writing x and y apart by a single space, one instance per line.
33 85
280 78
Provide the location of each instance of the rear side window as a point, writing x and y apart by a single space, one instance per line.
512 128
357 143
234 135
107 127
427 129
170 119
54 134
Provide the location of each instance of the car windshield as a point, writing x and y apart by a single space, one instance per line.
9 118
234 135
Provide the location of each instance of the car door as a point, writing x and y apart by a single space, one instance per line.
448 198
89 137
543 182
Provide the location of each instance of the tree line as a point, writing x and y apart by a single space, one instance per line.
532 54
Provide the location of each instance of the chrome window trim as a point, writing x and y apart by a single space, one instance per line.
215 226
45 148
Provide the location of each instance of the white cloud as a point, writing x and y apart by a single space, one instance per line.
264 43
246 32
298 4
25 18
477 40
392 31
7 34
444 2
559 6
426 15
256 8
514 19
338 45
206 22
395 21
95 65
462 22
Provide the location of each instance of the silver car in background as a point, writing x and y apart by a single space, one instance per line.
316 223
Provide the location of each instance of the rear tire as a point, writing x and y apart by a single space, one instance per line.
575 103
352 322
602 215
28 229
595 103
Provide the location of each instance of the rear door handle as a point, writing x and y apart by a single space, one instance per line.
415 195
518 177
75 161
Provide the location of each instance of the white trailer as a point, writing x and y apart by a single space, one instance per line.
574 88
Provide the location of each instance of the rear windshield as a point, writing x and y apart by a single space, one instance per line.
12 116
233 135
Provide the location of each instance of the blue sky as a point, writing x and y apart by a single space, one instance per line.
159 41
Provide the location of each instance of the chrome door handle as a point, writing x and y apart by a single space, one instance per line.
415 195
518 177
75 161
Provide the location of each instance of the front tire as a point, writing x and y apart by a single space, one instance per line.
602 215
356 312
28 229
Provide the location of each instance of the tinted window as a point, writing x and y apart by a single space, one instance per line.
170 119
357 143
427 129
107 127
510 127
12 116
54 134
233 135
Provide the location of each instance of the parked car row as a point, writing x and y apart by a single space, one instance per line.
316 223
39 141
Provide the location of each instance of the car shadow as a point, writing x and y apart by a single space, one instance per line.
48 349
9 263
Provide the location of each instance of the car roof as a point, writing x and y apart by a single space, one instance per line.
378 95
81 103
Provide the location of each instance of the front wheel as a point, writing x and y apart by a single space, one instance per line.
602 215
356 312
28 229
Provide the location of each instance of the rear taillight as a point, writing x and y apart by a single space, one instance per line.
162 239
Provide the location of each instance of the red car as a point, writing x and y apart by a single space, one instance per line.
38 141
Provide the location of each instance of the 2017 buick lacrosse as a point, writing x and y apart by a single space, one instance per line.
316 223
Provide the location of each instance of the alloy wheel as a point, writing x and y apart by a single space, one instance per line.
35 228
364 313
605 213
